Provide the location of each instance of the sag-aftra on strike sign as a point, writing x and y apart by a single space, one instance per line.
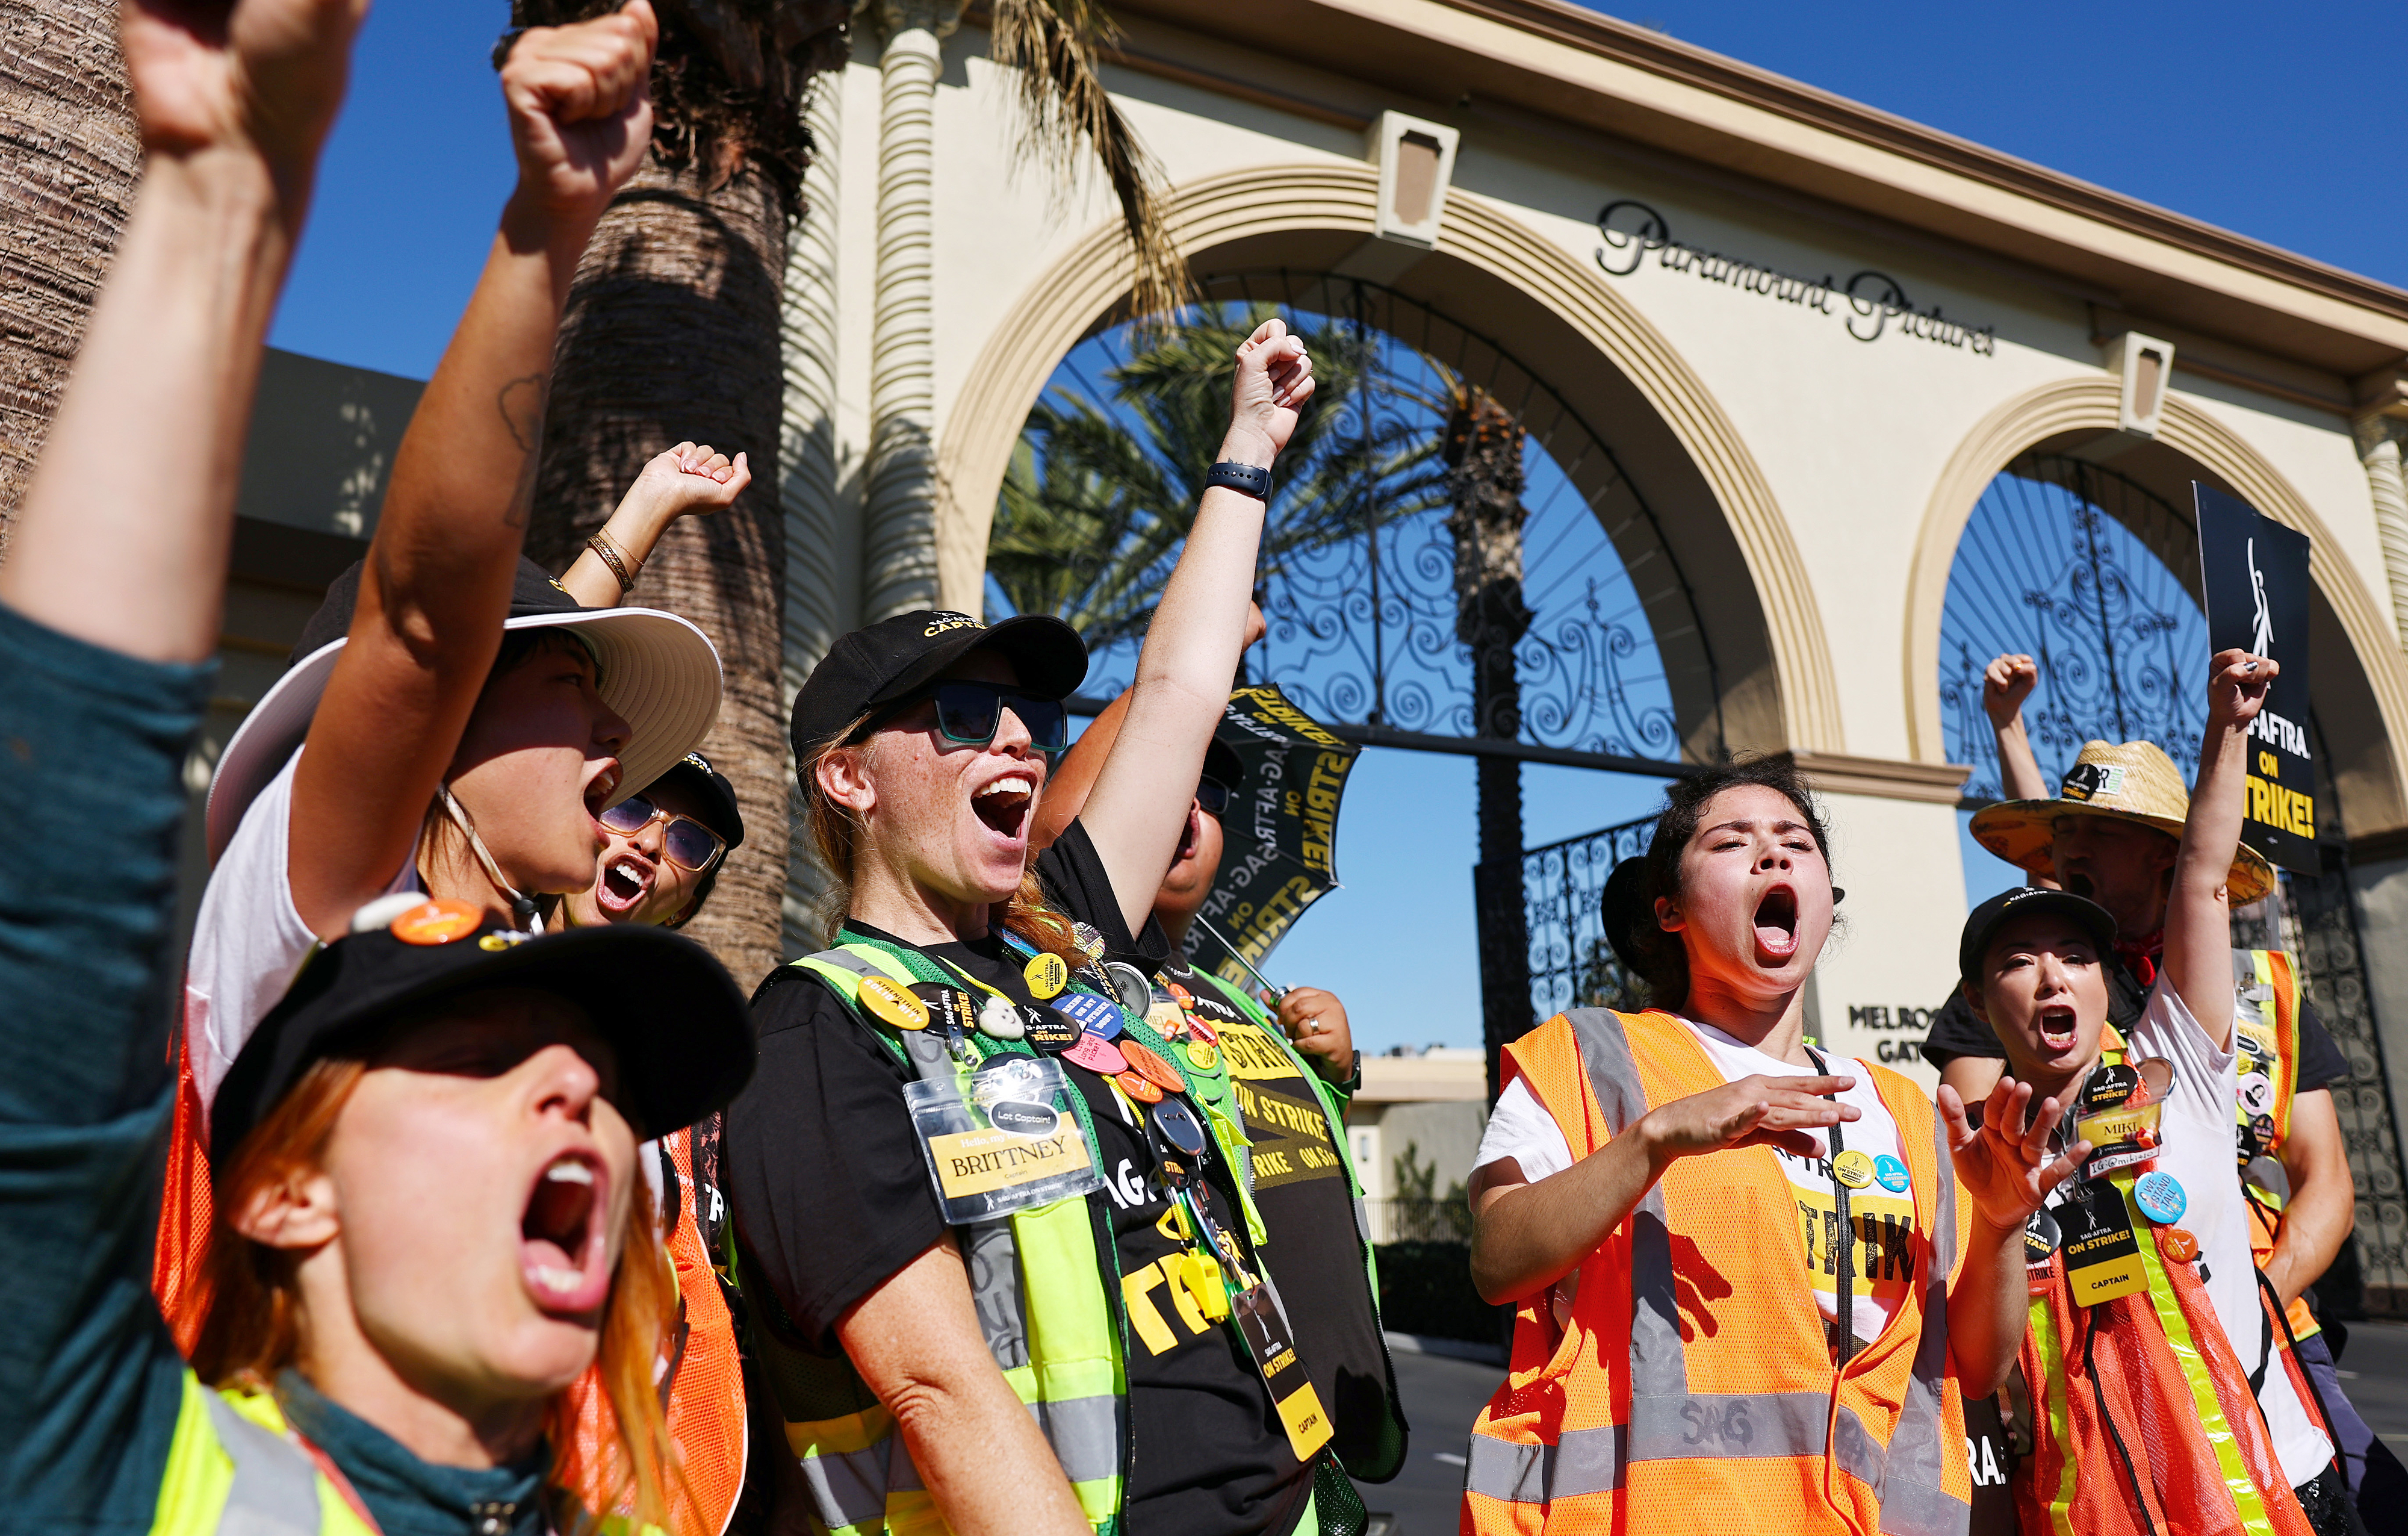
2254 572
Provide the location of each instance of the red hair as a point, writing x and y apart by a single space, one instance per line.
252 1328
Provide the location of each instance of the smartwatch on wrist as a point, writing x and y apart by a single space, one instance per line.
1244 479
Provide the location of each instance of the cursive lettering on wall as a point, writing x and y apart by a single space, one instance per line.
1873 304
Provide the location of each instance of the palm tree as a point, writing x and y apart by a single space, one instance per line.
69 156
671 332
1484 479
1100 495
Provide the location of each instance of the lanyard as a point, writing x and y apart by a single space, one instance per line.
1845 1308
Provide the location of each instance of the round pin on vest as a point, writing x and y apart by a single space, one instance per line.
999 1020
2178 1244
1853 1168
886 999
437 921
1129 984
1890 1173
1098 1016
1051 1031
1096 1055
1047 975
2161 1198
1138 1088
1201 1057
1151 1066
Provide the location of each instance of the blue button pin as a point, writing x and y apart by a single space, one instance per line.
1098 1016
2161 1198
1891 1173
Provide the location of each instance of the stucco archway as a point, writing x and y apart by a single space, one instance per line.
2363 703
1778 678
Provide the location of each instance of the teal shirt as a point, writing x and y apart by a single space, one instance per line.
407 1496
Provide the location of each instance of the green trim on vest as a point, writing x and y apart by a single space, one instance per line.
1046 1307
233 1467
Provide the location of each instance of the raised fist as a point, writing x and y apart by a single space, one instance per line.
581 109
261 76
2006 682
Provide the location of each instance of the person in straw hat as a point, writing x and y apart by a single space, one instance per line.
2110 835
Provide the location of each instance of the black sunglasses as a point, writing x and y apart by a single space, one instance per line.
972 713
689 844
1213 796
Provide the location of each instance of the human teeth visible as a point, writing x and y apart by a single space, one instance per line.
1007 786
554 1279
570 1170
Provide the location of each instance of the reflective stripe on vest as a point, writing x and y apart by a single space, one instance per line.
1037 1287
229 1474
1665 1421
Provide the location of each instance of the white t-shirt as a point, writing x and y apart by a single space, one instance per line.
1890 1252
250 941
2194 1146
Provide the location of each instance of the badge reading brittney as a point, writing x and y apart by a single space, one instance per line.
1015 1142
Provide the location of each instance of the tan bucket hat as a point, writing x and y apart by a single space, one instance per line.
2134 782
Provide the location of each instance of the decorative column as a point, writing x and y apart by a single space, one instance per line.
822 513
898 550
2379 437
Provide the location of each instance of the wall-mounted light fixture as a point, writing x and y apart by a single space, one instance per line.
1416 161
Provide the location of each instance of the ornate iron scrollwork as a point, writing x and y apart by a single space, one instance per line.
1571 963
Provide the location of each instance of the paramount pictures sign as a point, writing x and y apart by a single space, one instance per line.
1873 304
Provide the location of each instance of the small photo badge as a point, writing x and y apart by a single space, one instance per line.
1013 1144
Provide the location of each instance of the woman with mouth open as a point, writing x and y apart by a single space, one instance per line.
1749 1277
1000 1266
2160 1397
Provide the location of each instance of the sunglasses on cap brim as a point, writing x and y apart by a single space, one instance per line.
972 714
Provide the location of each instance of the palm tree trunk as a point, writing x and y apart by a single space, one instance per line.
69 159
1482 449
672 333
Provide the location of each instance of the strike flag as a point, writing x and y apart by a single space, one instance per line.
2254 573
1279 832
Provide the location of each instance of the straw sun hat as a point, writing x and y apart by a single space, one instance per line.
2134 782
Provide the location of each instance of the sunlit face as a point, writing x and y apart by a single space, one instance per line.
2044 993
1191 868
1756 895
635 881
2119 864
480 1175
951 818
538 757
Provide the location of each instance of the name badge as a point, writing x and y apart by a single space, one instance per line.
1264 1322
1013 1143
2103 1258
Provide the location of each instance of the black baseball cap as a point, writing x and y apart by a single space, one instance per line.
886 661
712 790
675 1018
1983 922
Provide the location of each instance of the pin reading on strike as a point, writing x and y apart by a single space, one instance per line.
1046 975
1853 1168
889 1001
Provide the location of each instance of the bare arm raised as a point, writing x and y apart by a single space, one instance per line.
438 579
2006 682
2199 913
123 538
1143 793
690 477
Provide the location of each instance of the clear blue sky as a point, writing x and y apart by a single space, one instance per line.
2271 120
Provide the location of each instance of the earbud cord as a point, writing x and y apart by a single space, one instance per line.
522 907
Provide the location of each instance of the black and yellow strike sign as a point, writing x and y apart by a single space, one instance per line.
2254 574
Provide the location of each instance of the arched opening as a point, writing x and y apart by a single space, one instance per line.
2083 552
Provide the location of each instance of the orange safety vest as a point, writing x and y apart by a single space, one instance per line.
1693 1388
706 1412
2265 1034
2150 1377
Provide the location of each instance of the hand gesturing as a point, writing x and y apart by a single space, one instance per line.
1274 380
2005 1166
1753 1111
581 107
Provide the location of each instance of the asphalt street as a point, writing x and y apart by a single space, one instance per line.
1444 1396
1441 1397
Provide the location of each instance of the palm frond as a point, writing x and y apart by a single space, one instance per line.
1066 113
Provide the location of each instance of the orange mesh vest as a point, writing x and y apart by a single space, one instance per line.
181 1253
2265 1033
2143 1399
1693 1388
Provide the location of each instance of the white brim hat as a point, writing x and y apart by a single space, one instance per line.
659 672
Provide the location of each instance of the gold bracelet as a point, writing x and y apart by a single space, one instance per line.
615 558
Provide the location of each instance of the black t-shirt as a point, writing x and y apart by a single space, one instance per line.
1955 1032
1300 1186
831 1198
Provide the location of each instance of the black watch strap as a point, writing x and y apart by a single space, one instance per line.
1244 479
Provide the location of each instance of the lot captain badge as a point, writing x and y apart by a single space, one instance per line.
2254 574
